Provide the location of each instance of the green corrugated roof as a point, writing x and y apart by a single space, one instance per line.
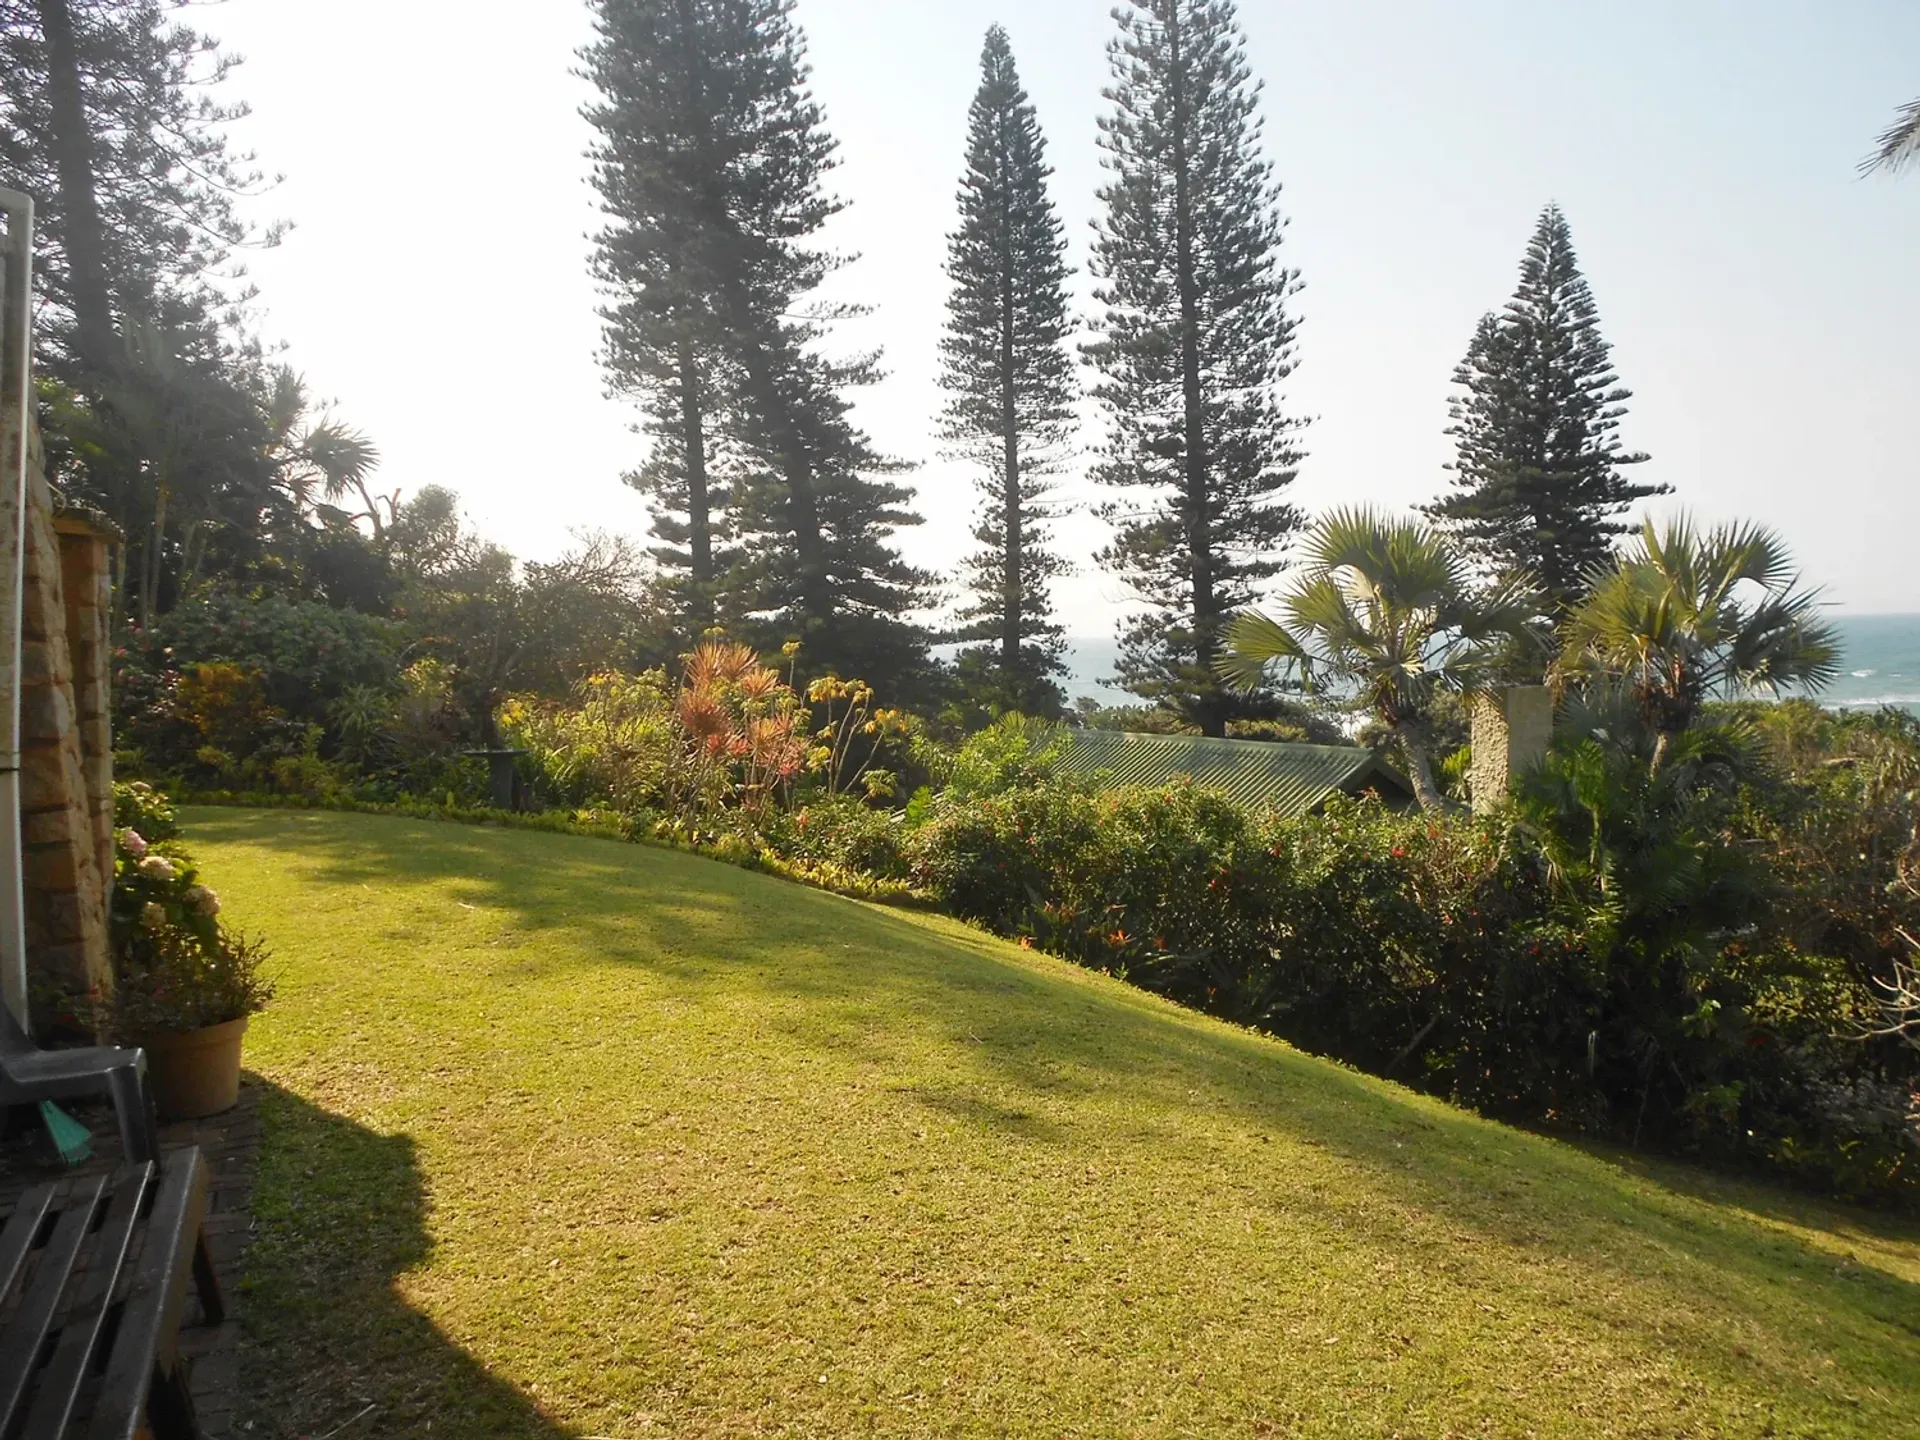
1292 779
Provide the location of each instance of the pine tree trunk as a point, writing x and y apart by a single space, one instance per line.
802 506
1013 600
699 524
85 236
1199 541
150 560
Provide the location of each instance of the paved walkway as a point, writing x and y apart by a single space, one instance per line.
231 1143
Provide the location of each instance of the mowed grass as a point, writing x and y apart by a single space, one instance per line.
566 1137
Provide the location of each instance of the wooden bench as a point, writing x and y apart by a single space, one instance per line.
93 1285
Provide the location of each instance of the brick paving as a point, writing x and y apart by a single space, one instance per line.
231 1144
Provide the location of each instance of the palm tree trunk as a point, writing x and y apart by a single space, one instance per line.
1420 770
1662 742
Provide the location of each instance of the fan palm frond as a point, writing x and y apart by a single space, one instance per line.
1899 144
1387 606
1685 614
343 456
1255 642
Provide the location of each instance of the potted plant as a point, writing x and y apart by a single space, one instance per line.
184 985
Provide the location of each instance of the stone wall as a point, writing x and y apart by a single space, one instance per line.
86 580
1511 730
66 761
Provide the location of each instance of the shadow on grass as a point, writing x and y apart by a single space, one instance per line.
327 1342
1027 1035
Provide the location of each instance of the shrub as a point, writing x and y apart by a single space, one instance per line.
1014 752
1471 957
138 806
843 832
614 745
306 653
175 966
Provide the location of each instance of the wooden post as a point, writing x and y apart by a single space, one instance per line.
16 419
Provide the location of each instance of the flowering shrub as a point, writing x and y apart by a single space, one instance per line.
138 806
733 737
176 967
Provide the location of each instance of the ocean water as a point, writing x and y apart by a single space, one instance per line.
1879 664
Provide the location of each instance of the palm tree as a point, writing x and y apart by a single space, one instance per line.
1899 144
323 455
1683 617
1388 607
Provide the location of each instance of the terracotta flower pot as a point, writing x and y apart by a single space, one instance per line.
196 1073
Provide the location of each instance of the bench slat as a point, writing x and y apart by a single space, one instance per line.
16 1241
66 1372
20 1346
144 1348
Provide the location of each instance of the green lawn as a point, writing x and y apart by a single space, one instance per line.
567 1137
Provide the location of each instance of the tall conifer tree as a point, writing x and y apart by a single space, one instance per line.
710 166
108 118
659 119
1009 380
1538 469
1197 340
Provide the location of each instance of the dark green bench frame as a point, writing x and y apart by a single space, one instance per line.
93 1285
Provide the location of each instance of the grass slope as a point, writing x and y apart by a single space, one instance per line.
574 1138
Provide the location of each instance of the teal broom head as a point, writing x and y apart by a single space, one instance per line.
72 1139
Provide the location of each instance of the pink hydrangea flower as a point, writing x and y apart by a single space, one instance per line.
133 842
203 900
153 915
157 867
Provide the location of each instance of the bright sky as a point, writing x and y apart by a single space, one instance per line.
1763 301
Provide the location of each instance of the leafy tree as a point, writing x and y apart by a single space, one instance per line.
1388 608
1683 616
1009 379
1538 469
1649 875
1196 341
500 626
164 413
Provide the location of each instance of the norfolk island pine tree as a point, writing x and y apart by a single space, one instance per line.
1009 383
1196 340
